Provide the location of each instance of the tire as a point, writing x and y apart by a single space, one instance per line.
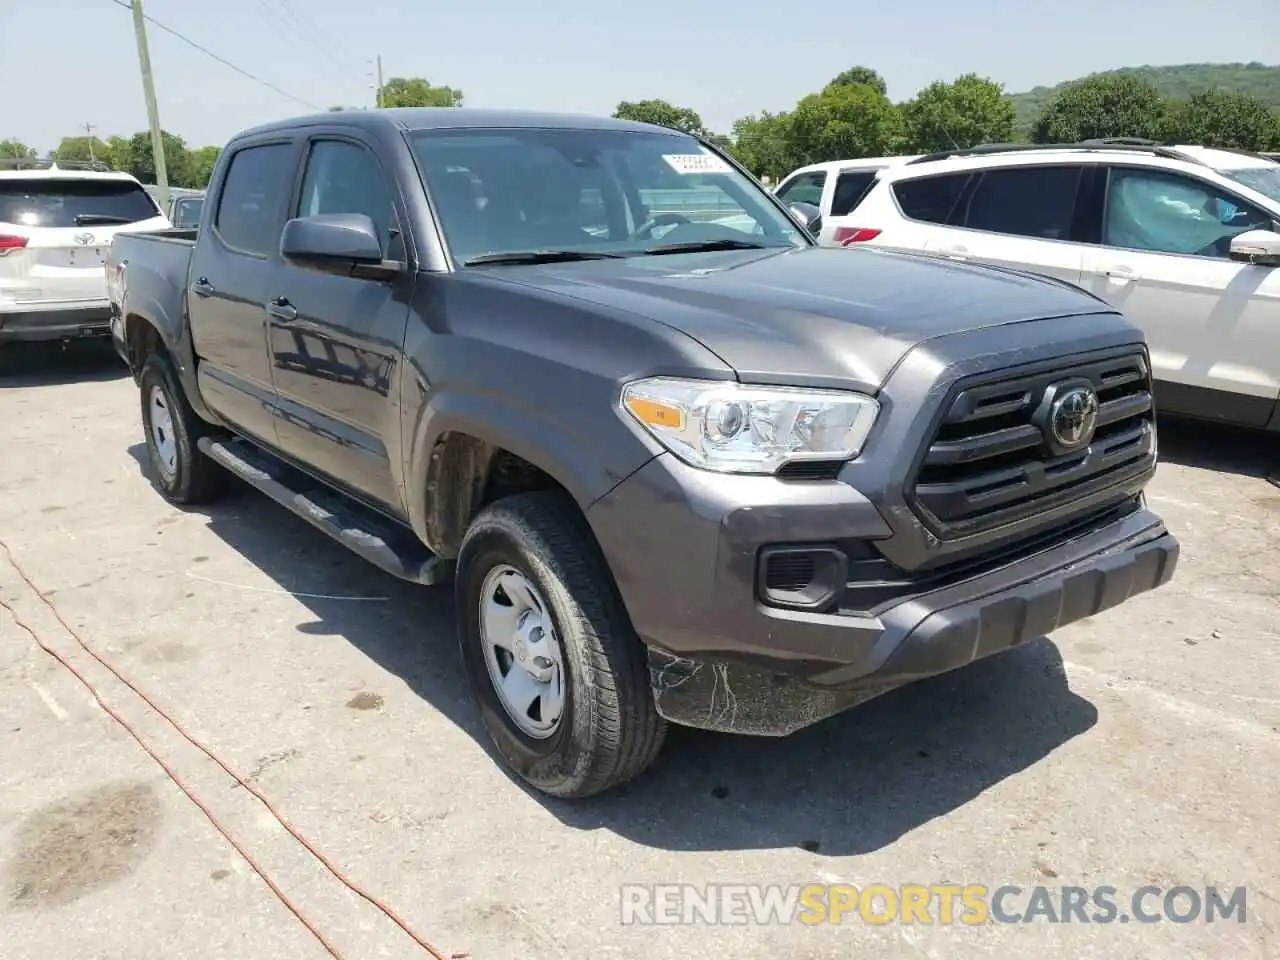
180 471
609 730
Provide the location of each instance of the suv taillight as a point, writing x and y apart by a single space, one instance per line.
10 242
848 235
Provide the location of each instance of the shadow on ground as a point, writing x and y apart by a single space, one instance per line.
50 364
1221 448
852 784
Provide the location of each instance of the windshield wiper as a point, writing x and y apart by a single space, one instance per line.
700 246
88 219
540 256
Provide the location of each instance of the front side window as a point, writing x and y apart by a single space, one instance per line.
253 192
608 193
342 177
1035 202
931 199
53 202
806 188
1169 213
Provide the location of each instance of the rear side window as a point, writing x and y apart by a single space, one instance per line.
252 198
46 202
806 188
931 199
851 187
1025 202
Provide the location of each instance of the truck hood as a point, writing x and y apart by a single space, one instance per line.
813 315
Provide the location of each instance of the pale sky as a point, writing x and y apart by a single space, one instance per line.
65 63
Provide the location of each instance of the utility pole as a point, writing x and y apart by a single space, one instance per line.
378 99
153 112
88 132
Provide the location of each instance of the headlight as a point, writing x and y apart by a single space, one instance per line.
732 428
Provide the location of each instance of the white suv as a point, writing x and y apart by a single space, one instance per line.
56 225
1184 240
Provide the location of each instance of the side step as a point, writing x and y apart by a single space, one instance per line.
382 542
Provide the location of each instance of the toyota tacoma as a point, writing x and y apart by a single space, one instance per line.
681 464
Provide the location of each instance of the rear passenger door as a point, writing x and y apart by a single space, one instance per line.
1023 217
336 341
230 268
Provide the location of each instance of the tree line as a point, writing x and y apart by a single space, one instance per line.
852 116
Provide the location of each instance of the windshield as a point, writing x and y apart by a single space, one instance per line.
590 192
1266 180
50 202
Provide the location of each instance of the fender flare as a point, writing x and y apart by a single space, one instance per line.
177 343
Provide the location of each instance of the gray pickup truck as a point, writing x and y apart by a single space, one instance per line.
681 464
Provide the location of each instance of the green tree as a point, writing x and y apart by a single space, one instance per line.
117 153
417 92
863 75
763 144
843 122
662 114
137 158
1107 105
82 148
968 111
15 150
1224 118
201 165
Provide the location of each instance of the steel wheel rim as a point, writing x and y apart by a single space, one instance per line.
162 438
522 652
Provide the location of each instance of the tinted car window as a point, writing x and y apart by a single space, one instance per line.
806 188
851 187
186 212
342 177
48 202
249 210
930 198
1168 213
1025 202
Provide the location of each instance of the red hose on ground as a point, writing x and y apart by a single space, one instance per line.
293 832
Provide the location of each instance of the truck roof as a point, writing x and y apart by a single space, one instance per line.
441 118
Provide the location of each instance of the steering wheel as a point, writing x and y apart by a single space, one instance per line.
661 220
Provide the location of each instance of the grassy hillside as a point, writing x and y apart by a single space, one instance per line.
1177 82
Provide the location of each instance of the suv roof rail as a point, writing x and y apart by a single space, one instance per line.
1119 144
48 163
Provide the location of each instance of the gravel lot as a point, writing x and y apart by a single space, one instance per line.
1141 748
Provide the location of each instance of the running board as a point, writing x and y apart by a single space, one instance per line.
382 542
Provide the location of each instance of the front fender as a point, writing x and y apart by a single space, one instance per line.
587 458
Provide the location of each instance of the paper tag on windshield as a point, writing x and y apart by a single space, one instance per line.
695 163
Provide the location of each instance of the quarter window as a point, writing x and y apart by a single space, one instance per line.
851 187
1168 213
248 215
930 199
1035 202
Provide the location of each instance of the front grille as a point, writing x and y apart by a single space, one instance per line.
992 460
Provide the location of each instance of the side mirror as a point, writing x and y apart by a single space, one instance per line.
1259 247
809 215
343 243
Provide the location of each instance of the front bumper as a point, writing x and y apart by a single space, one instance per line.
90 320
684 549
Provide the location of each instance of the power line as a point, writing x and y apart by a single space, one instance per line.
314 32
226 63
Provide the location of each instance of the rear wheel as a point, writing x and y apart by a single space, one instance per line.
183 474
560 676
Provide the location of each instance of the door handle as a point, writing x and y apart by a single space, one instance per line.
202 288
1120 274
282 310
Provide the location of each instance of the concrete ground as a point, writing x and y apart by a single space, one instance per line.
1140 748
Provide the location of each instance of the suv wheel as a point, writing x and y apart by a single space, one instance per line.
559 674
182 473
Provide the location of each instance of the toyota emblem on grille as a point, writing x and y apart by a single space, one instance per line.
84 239
1073 417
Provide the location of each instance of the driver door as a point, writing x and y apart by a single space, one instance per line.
1211 323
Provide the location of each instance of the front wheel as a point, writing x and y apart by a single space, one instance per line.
183 474
559 674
